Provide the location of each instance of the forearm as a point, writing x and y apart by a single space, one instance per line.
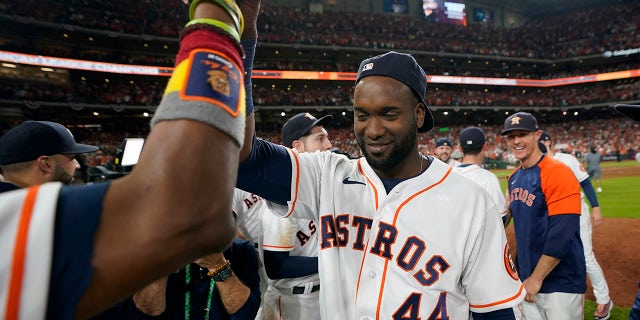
545 265
130 251
234 294
152 299
589 193
280 265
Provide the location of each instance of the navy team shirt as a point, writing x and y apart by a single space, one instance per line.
545 203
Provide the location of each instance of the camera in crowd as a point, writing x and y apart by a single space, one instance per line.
125 159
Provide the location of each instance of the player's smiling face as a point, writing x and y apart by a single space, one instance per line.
385 125
524 145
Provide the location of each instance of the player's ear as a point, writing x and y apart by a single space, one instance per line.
420 111
298 145
45 163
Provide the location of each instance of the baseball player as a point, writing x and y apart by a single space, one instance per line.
472 141
633 112
592 159
291 245
599 283
443 150
248 209
51 155
544 198
395 241
70 252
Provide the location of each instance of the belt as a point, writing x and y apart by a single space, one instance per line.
300 290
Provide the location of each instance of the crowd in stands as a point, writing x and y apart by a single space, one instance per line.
576 33
150 93
609 136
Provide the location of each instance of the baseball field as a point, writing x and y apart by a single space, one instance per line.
616 241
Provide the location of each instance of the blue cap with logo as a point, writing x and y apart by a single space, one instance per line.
299 126
404 68
520 121
444 142
472 137
32 139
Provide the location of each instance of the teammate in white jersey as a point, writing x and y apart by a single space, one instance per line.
248 209
472 140
402 236
594 271
291 245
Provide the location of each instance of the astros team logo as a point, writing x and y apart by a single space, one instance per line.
515 120
212 77
509 265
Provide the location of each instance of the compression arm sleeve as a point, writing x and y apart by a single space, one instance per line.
562 230
267 172
279 265
589 193
249 47
502 314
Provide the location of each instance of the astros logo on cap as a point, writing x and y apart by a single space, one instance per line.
515 120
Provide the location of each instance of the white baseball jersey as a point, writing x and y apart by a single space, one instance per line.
27 219
573 164
249 210
488 181
434 246
594 271
297 236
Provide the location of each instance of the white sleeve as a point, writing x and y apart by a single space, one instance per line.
490 266
493 187
577 168
278 233
306 183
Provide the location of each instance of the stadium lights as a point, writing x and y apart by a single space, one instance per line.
46 69
145 114
8 65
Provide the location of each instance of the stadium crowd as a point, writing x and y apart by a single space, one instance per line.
610 136
576 33
150 93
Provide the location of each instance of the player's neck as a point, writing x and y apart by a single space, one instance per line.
531 160
472 159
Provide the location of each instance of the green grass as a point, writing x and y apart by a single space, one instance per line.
618 199
616 314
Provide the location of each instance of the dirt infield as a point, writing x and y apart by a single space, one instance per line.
616 243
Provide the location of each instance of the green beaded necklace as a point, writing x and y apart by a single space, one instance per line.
187 296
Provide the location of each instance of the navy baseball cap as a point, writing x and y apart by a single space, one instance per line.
299 126
520 121
404 68
444 142
544 136
542 146
472 137
629 110
32 139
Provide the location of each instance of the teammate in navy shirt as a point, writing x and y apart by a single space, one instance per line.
544 199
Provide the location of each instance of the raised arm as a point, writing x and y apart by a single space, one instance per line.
250 9
175 205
